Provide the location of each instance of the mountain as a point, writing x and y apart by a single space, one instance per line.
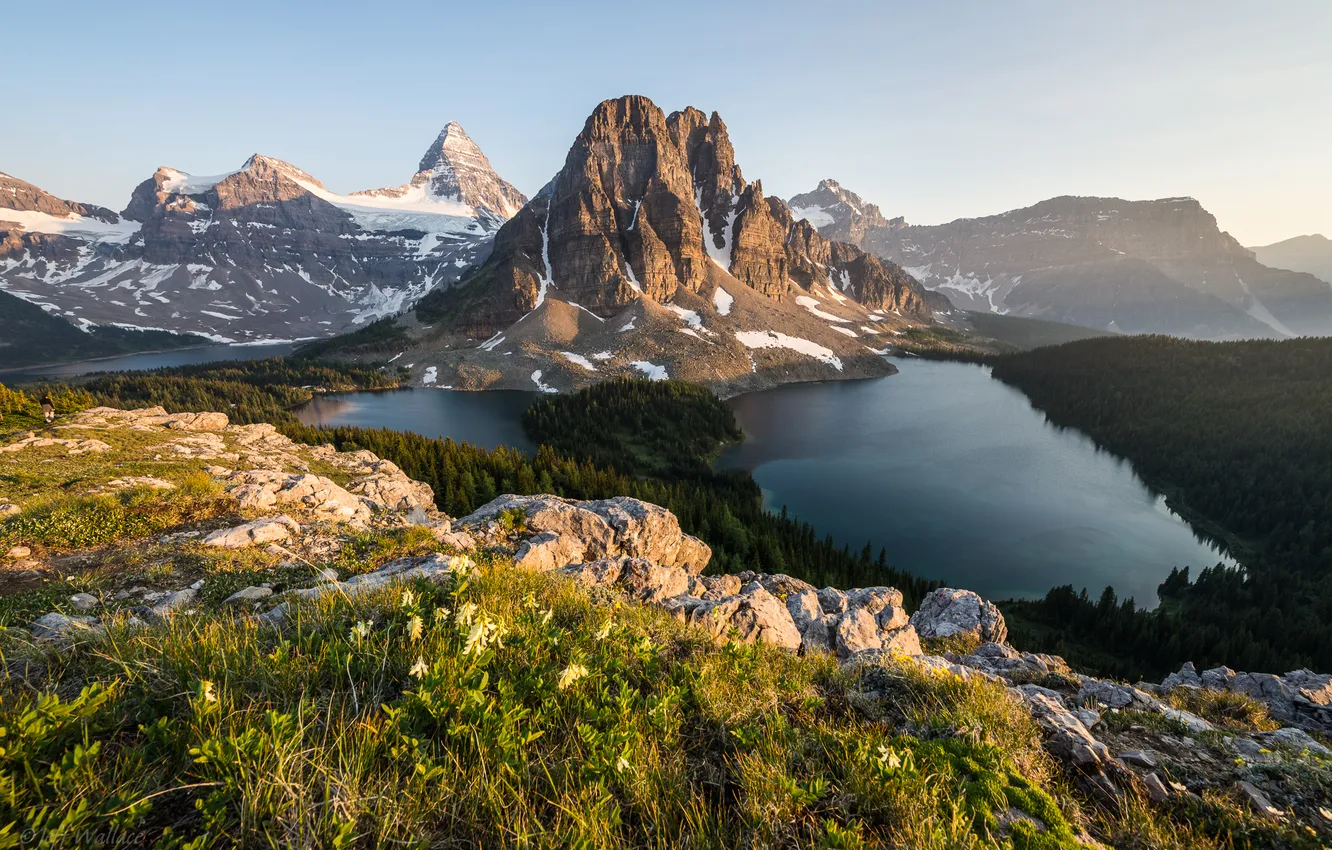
1158 266
1311 254
649 253
263 252
454 170
30 336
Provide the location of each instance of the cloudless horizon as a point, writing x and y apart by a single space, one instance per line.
937 113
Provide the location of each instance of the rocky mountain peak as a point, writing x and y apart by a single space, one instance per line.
839 213
454 170
649 224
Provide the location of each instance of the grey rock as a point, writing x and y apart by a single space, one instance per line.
1295 739
1140 758
947 612
1157 791
269 530
751 616
832 600
1258 801
84 601
248 595
1187 675
174 603
59 627
606 527
548 551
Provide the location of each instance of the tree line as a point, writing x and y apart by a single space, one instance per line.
1237 434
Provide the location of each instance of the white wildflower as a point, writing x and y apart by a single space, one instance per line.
571 674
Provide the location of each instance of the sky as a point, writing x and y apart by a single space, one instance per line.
933 111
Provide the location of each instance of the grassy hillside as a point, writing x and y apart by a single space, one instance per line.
30 336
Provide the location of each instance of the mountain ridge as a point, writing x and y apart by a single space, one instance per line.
264 252
1156 266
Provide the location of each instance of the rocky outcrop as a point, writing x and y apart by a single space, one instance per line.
601 528
947 613
1302 698
267 530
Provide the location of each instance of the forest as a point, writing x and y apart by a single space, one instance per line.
1236 434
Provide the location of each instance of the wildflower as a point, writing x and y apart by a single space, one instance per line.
465 614
889 758
546 615
360 631
206 691
415 625
442 613
529 601
408 598
419 669
485 634
622 764
606 630
571 674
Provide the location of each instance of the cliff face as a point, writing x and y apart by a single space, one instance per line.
1134 266
651 216
644 203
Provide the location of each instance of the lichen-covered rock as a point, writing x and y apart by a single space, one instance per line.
947 612
636 578
71 447
751 616
548 551
268 530
606 527
248 596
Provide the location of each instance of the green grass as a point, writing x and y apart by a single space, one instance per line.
1228 710
71 522
520 714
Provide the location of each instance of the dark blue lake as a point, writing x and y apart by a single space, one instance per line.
951 471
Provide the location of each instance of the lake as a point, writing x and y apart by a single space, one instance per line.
960 479
486 419
951 471
146 361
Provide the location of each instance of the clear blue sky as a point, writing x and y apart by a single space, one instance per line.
934 111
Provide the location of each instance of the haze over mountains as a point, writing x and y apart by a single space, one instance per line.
1311 254
1160 266
263 252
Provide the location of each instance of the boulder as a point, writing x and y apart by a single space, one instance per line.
58 627
752 615
248 595
18 552
196 422
392 490
947 612
8 510
860 631
636 578
84 601
606 527
268 530
548 551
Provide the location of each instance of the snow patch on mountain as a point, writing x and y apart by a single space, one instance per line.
776 339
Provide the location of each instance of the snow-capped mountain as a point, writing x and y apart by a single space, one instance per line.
262 252
1159 266
650 254
455 174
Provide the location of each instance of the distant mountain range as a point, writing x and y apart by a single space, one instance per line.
1311 254
1158 266
649 253
263 252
